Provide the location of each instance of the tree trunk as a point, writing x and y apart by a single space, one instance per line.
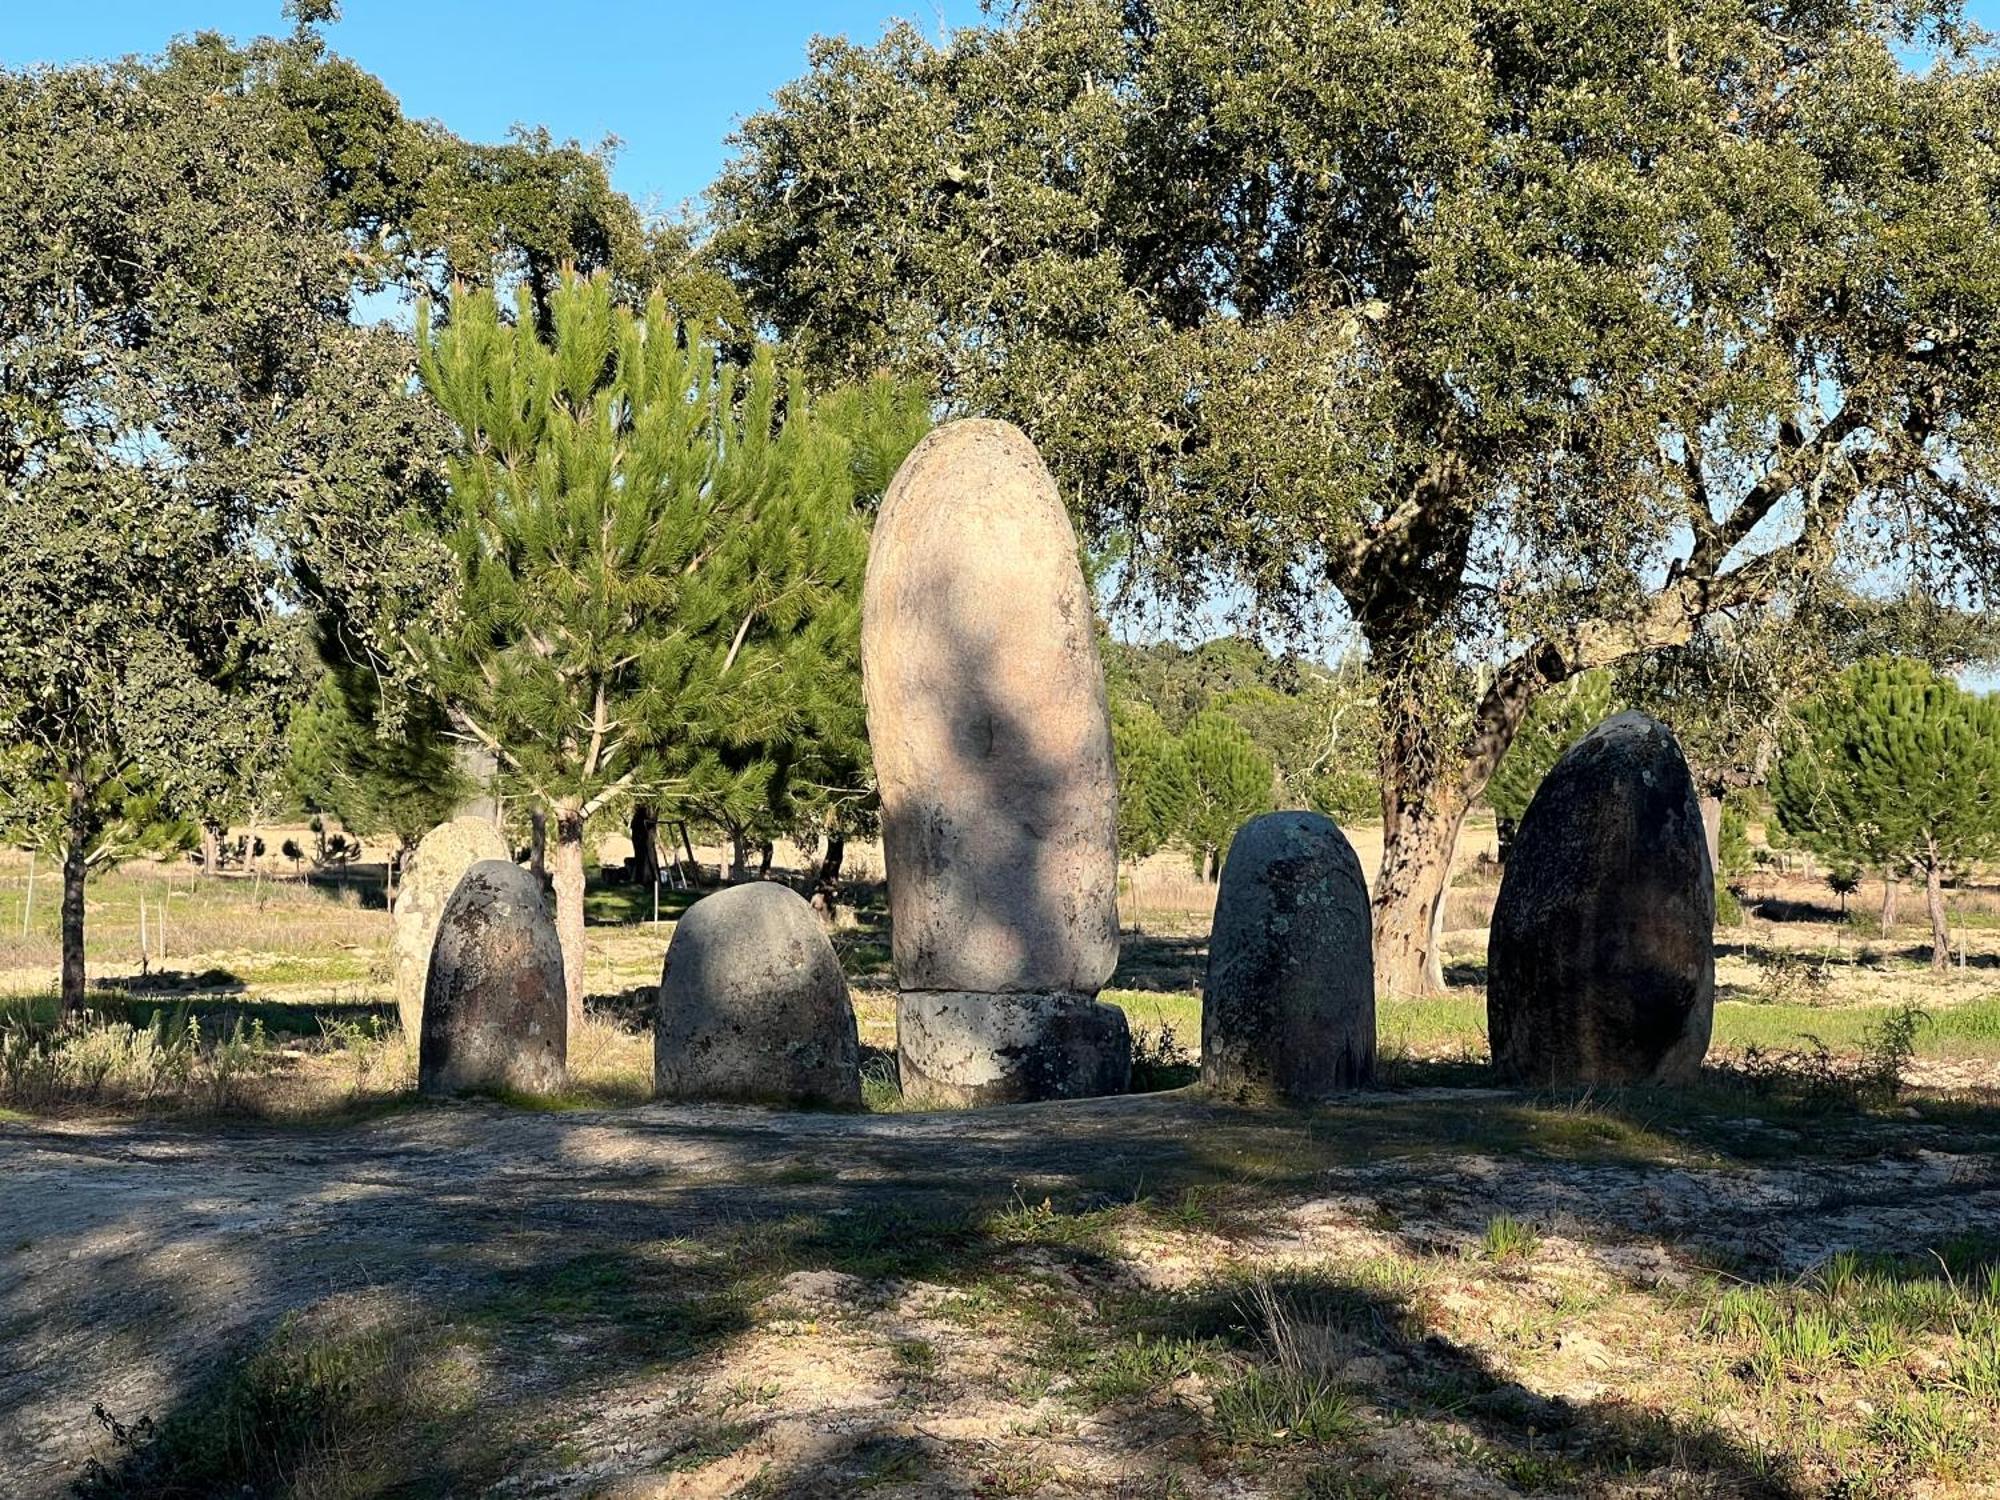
1888 901
76 848
1711 830
1419 834
645 844
568 872
210 850
739 857
826 882
538 843
764 853
1940 929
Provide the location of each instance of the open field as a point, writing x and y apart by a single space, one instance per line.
274 1271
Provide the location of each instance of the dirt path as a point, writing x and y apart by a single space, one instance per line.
136 1258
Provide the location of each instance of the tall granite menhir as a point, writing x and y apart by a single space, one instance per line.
1601 962
992 745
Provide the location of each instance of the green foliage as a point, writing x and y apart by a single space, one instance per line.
1155 784
1556 720
659 558
1231 781
400 779
1894 764
1503 328
654 559
1733 836
191 430
1317 726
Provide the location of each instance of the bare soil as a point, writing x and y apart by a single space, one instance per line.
678 1301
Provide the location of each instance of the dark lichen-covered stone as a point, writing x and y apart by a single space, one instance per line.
432 873
1601 961
753 1005
959 1048
1288 1007
495 1008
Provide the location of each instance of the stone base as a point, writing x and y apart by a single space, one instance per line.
956 1047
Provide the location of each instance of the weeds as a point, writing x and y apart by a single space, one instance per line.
1794 978
1295 1395
1508 1238
1816 1077
85 1060
1159 1060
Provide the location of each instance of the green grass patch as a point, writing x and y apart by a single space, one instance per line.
1508 1238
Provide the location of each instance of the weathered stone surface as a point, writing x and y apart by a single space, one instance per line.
435 867
1601 962
992 745
977 1048
1288 1007
753 1005
986 714
495 1009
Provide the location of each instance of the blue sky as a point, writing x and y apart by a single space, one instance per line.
669 79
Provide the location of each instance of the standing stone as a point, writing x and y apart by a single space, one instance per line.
753 1005
992 745
496 1010
439 862
1288 1007
1601 963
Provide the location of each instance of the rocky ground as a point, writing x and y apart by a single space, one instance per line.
1430 1291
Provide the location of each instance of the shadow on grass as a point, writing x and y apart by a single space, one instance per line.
435 1364
391 1392
1148 961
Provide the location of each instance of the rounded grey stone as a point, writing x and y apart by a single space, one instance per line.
495 1007
978 1048
1601 961
753 1005
1288 1006
987 719
438 863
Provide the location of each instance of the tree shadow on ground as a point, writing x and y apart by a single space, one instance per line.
452 1299
1161 963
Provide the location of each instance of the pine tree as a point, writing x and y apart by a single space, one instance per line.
1155 786
401 779
1231 782
1896 766
812 777
657 550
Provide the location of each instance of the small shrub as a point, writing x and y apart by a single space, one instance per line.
1728 909
1159 1061
1814 1077
1793 978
